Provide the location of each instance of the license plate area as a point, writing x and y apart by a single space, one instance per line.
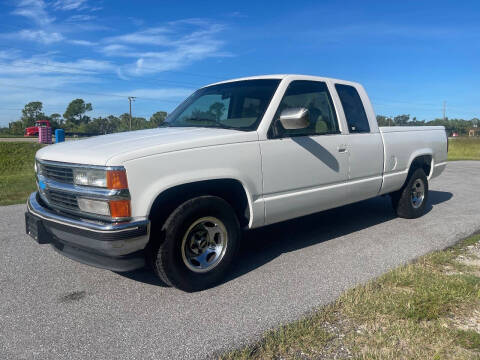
34 227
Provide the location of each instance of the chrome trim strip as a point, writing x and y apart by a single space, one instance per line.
80 213
82 166
86 191
35 208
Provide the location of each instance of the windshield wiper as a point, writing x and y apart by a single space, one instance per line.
201 119
214 122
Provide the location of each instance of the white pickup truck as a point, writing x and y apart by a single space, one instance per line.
235 155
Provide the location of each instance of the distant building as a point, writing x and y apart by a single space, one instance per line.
475 131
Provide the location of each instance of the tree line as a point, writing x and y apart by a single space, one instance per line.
459 126
76 121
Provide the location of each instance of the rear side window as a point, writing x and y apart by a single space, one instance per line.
353 108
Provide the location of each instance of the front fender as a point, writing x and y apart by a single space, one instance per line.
150 176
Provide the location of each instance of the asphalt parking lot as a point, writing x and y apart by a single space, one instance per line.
52 307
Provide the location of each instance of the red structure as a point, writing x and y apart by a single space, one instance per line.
34 130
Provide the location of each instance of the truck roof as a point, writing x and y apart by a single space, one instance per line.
292 76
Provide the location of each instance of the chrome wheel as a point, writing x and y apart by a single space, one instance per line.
417 193
204 244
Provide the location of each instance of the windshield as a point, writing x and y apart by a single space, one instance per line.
236 105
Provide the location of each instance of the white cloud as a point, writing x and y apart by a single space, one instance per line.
67 5
50 81
83 42
175 33
34 10
47 77
81 17
43 64
168 47
153 62
9 54
40 36
115 50
152 36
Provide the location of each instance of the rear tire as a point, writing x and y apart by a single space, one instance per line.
411 200
200 240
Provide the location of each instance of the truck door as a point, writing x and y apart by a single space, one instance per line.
365 146
304 170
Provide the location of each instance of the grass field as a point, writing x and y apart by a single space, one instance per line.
464 148
17 179
429 309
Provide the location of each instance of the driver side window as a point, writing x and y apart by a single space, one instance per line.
313 96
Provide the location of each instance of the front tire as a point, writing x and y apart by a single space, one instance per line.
200 241
411 200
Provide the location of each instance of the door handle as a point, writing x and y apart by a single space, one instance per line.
342 148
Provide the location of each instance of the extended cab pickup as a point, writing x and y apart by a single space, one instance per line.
235 155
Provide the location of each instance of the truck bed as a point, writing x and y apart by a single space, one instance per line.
402 144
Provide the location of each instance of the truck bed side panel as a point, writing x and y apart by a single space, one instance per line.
404 144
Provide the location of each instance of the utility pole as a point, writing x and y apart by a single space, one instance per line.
130 99
444 110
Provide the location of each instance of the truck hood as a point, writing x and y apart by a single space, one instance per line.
115 149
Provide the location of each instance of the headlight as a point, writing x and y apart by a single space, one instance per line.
111 179
90 177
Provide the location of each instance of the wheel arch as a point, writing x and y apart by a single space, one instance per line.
422 159
231 190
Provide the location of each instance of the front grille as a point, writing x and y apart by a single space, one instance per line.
62 199
58 173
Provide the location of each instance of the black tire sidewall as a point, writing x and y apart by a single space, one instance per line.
169 256
404 205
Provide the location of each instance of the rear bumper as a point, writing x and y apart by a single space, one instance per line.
117 246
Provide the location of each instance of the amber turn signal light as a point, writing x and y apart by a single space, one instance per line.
117 179
120 208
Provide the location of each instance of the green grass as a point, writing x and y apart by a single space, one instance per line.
17 178
464 148
417 311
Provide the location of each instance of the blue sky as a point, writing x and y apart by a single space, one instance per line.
410 55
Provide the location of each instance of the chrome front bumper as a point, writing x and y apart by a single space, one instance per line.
114 246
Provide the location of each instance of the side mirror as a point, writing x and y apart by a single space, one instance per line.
295 118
